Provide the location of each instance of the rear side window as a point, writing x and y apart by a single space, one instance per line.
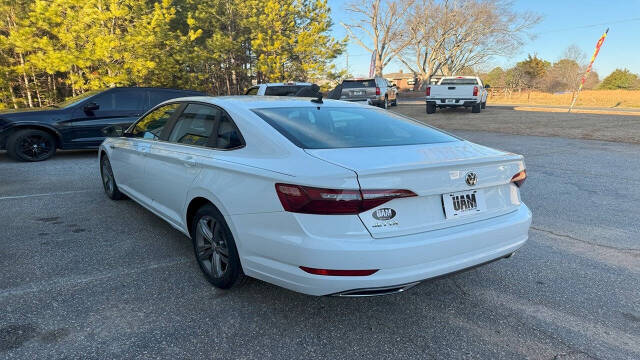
288 90
195 125
228 135
459 82
331 128
350 84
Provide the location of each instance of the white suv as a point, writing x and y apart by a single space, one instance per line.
277 89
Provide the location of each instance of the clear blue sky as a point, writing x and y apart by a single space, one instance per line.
564 23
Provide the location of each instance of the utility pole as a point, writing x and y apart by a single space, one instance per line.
347 55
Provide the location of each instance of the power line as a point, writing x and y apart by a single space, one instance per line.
592 25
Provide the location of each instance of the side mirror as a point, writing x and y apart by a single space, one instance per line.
91 106
113 131
487 86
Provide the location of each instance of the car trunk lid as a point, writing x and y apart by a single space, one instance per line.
437 174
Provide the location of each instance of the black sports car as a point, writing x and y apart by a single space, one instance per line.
77 123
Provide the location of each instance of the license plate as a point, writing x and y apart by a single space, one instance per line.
358 93
450 100
463 203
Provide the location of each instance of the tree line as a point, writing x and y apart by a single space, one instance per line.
54 49
564 75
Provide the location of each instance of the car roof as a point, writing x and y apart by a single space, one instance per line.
257 102
152 88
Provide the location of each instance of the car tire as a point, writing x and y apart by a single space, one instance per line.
215 249
431 108
109 180
31 145
484 105
475 108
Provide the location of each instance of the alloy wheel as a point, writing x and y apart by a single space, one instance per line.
35 147
211 247
107 177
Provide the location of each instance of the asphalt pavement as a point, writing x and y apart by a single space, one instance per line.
85 277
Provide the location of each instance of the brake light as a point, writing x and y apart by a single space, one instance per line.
311 200
475 91
519 178
428 90
328 272
377 91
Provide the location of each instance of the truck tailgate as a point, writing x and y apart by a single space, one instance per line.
451 91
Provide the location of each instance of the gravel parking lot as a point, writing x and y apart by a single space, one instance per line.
86 277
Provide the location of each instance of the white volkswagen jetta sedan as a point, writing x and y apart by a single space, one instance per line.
324 198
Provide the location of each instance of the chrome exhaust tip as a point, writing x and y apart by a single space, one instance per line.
377 291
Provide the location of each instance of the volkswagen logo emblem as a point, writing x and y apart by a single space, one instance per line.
471 178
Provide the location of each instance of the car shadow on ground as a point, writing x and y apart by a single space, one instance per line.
60 154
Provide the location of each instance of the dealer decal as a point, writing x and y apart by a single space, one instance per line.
384 214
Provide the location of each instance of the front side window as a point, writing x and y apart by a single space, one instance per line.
330 128
252 91
195 125
121 100
152 125
77 99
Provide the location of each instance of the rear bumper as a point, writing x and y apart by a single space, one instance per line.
401 260
376 101
457 102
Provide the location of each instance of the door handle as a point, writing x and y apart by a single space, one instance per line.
190 162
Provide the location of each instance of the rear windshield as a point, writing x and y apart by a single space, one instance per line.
331 128
286 90
459 82
347 84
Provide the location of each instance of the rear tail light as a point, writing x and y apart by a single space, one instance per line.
475 91
310 200
328 272
428 90
377 91
519 178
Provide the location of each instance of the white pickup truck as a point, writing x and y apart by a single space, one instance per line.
455 91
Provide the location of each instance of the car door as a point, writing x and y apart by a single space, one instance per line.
113 107
173 165
129 155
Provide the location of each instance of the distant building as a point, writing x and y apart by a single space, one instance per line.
404 81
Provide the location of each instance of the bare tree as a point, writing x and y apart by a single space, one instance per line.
449 36
565 74
573 52
379 27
